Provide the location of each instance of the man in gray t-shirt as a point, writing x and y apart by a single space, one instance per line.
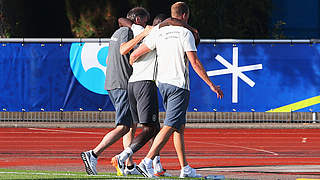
117 76
118 68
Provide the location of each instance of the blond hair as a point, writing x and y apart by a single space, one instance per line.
178 9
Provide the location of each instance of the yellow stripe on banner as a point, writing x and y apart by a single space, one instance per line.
298 105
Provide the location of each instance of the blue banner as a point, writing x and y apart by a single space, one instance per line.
259 77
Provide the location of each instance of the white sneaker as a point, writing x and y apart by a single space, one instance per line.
145 170
132 171
118 165
158 169
189 173
90 162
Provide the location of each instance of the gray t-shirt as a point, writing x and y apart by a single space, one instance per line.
118 68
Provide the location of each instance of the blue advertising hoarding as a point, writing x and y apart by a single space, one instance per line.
263 77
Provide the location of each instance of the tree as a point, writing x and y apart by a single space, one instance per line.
98 18
9 27
33 18
231 19
94 18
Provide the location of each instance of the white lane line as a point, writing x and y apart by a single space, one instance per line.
225 145
64 131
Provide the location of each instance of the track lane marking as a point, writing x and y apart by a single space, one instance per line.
262 150
64 131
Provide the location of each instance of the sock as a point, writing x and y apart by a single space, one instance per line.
157 164
186 168
94 154
125 154
130 167
147 162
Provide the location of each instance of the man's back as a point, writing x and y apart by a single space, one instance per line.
171 43
118 68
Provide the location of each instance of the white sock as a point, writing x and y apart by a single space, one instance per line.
157 164
125 154
186 168
147 162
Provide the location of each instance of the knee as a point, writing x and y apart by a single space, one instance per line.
123 129
157 129
152 129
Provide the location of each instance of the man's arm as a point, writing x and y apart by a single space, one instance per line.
141 50
127 46
124 22
199 69
176 22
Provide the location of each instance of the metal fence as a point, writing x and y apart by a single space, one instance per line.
104 40
192 117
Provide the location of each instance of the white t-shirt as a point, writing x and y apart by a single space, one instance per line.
171 43
145 67
136 29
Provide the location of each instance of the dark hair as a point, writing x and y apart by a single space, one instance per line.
159 18
138 12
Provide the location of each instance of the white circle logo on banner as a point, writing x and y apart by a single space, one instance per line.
88 64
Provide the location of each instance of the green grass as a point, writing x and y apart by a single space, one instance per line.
28 174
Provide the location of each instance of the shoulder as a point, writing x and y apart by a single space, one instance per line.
175 28
137 29
122 30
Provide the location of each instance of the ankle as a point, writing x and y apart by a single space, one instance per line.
94 154
147 162
186 168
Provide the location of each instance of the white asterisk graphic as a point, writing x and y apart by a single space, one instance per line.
236 72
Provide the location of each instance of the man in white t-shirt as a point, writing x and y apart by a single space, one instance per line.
174 45
142 94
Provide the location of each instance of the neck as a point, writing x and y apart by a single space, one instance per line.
180 18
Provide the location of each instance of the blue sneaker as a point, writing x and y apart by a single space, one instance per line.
90 162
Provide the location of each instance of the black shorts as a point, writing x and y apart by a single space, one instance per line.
143 99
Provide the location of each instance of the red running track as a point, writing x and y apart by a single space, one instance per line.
25 147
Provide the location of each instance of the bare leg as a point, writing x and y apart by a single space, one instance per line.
160 140
111 138
151 142
148 131
178 139
127 140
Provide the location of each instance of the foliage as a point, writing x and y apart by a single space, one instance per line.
231 19
89 18
98 18
10 22
277 31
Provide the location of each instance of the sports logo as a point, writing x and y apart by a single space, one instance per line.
88 64
236 71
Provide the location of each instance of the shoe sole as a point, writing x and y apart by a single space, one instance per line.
162 174
141 171
85 158
114 162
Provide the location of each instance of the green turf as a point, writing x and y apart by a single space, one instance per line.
28 174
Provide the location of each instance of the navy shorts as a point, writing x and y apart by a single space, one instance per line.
143 99
119 99
175 102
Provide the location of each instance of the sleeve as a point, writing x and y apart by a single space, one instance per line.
126 35
136 29
189 42
150 40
